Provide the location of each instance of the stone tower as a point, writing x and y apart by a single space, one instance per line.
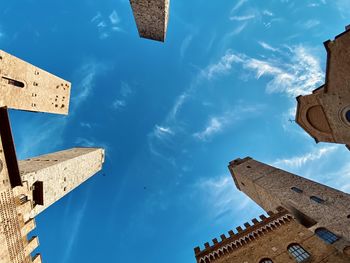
325 114
29 187
151 18
315 206
277 238
54 175
26 87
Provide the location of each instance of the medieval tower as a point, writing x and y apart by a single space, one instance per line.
29 187
307 221
151 18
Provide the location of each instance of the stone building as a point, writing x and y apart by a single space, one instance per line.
151 18
26 87
325 114
309 222
29 187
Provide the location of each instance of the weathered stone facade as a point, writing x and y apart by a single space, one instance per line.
26 87
312 204
268 239
30 186
325 114
151 18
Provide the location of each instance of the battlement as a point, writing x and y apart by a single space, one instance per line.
243 236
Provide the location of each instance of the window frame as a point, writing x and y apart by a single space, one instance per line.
296 190
326 235
298 253
317 199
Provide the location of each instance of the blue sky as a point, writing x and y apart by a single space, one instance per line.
171 116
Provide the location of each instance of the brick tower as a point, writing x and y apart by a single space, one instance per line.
325 114
315 206
29 187
151 18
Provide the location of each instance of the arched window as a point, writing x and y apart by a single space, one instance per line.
266 260
297 190
299 254
317 199
326 235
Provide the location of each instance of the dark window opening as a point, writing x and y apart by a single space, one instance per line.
299 254
347 115
326 235
317 199
38 193
348 216
242 184
14 82
297 190
266 260
23 199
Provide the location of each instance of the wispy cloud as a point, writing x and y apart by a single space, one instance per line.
242 18
161 132
125 92
223 66
222 197
238 5
86 76
311 23
216 124
299 75
185 45
74 228
299 161
267 46
107 25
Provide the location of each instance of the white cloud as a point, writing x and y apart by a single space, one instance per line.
114 18
299 161
223 66
310 23
74 228
86 125
222 198
119 104
267 13
298 76
124 93
238 5
267 46
107 25
214 126
242 18
160 132
87 75
184 45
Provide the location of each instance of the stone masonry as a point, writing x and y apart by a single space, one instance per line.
268 239
151 18
325 114
26 87
29 187
312 204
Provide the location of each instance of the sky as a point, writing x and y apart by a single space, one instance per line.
171 116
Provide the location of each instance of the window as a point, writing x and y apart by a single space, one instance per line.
347 115
317 199
297 190
266 260
326 235
299 254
